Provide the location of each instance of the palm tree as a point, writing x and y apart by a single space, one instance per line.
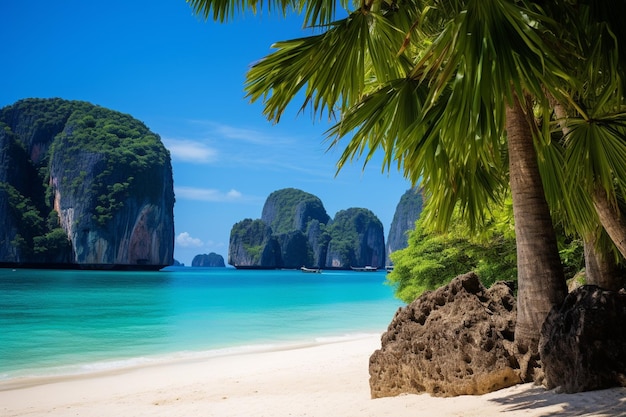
455 93
592 122
541 283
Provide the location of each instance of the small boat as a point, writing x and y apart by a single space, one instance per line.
311 270
365 269
389 268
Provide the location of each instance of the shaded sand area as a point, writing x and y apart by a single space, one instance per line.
321 381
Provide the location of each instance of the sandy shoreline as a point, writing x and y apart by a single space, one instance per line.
322 380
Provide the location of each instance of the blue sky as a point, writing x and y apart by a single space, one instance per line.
184 78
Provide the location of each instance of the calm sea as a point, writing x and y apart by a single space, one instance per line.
68 322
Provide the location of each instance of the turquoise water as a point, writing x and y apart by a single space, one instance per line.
67 322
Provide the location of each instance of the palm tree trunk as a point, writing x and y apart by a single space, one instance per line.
601 268
612 221
541 283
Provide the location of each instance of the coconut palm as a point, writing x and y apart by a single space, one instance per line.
456 94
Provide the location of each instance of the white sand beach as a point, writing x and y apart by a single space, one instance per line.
315 381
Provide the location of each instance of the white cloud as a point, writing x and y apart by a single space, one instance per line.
233 194
250 136
247 135
185 240
190 151
207 194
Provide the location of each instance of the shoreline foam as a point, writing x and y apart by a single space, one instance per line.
323 380
39 376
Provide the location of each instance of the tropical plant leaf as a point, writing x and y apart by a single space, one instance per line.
333 69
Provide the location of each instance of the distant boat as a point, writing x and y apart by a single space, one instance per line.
311 270
365 269
389 268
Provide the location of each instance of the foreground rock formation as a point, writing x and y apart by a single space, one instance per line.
583 342
295 231
83 186
456 340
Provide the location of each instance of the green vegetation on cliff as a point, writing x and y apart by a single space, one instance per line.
125 144
347 234
296 231
252 236
96 157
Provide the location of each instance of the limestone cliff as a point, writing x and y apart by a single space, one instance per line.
296 231
357 240
407 212
83 186
253 246
284 236
292 209
318 241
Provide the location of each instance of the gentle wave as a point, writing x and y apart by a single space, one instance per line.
28 376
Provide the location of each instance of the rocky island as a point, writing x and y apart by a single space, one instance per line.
212 260
295 230
82 186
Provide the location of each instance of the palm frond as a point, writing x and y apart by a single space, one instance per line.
596 152
457 171
224 10
570 201
331 69
486 52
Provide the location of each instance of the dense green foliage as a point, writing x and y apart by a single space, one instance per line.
22 209
52 243
39 119
433 259
36 236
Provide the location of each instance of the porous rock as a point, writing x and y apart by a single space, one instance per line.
583 341
453 341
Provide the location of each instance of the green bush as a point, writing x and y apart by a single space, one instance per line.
433 259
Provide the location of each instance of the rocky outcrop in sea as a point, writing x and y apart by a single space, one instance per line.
83 186
295 230
212 260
